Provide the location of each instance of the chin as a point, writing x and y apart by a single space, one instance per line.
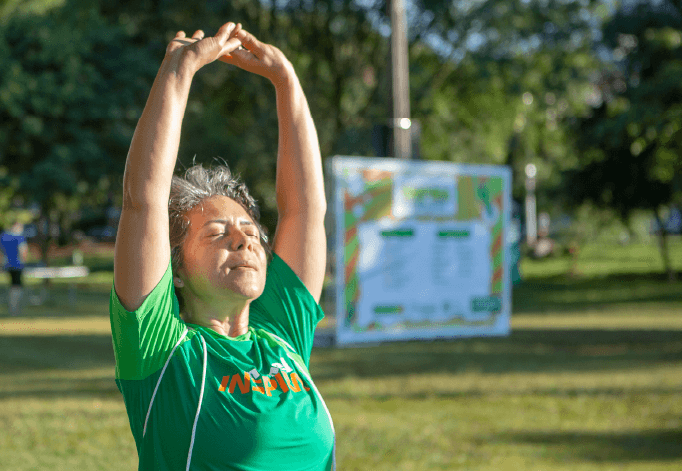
249 293
250 289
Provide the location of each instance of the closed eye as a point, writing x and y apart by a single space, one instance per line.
223 234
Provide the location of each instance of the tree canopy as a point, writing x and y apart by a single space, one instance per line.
69 97
629 146
585 91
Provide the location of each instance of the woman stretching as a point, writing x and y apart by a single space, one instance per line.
212 331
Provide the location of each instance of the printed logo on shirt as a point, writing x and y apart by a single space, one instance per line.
281 376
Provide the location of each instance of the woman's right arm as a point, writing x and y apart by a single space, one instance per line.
142 250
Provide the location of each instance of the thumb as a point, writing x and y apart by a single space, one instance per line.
224 31
232 45
228 50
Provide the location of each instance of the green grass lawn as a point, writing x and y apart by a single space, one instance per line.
589 379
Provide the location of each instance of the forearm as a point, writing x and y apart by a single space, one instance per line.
300 183
154 147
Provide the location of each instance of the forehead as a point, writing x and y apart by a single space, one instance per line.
217 207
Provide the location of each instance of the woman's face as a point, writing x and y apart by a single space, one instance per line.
222 254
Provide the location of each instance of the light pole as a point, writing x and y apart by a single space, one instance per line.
531 218
401 125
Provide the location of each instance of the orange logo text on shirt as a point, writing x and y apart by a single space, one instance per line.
252 381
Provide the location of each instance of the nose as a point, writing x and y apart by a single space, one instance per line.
240 241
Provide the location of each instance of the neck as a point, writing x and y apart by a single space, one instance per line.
228 320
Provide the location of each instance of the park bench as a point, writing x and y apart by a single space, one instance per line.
50 273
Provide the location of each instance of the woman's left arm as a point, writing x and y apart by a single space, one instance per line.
300 238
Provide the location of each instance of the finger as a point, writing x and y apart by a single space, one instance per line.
198 35
250 42
173 44
236 30
184 41
224 31
231 47
242 59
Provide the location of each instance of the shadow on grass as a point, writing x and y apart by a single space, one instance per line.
23 354
27 354
618 394
566 294
103 387
534 351
645 445
550 351
56 301
523 351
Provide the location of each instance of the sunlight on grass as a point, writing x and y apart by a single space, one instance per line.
65 434
55 326
598 260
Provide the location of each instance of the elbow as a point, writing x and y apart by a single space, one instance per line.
319 207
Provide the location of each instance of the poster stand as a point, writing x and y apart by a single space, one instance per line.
420 249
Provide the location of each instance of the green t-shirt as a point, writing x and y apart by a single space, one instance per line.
270 418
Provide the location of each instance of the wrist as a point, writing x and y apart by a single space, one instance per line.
286 79
179 66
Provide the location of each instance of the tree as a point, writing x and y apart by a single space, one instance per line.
9 212
490 81
69 95
339 57
630 144
506 75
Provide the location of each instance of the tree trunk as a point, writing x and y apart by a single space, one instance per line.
662 233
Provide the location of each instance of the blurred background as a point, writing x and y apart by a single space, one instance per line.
581 99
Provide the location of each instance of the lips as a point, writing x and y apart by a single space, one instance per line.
244 264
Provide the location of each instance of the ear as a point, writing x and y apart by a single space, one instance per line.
177 282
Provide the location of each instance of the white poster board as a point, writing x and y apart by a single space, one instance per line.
420 249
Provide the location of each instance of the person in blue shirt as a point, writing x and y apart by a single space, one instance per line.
15 250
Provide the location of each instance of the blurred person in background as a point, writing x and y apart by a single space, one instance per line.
15 250
212 342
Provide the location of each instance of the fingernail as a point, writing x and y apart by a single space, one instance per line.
230 28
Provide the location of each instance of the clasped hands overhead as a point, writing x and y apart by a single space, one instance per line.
232 45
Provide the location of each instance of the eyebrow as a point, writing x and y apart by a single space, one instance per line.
242 222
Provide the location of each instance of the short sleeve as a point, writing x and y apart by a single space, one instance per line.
286 308
144 338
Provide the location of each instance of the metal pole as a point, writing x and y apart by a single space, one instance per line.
402 132
531 218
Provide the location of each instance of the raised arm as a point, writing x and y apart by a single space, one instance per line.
142 250
300 237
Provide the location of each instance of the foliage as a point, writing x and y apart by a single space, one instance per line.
11 8
511 72
231 114
71 90
630 144
9 212
496 82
